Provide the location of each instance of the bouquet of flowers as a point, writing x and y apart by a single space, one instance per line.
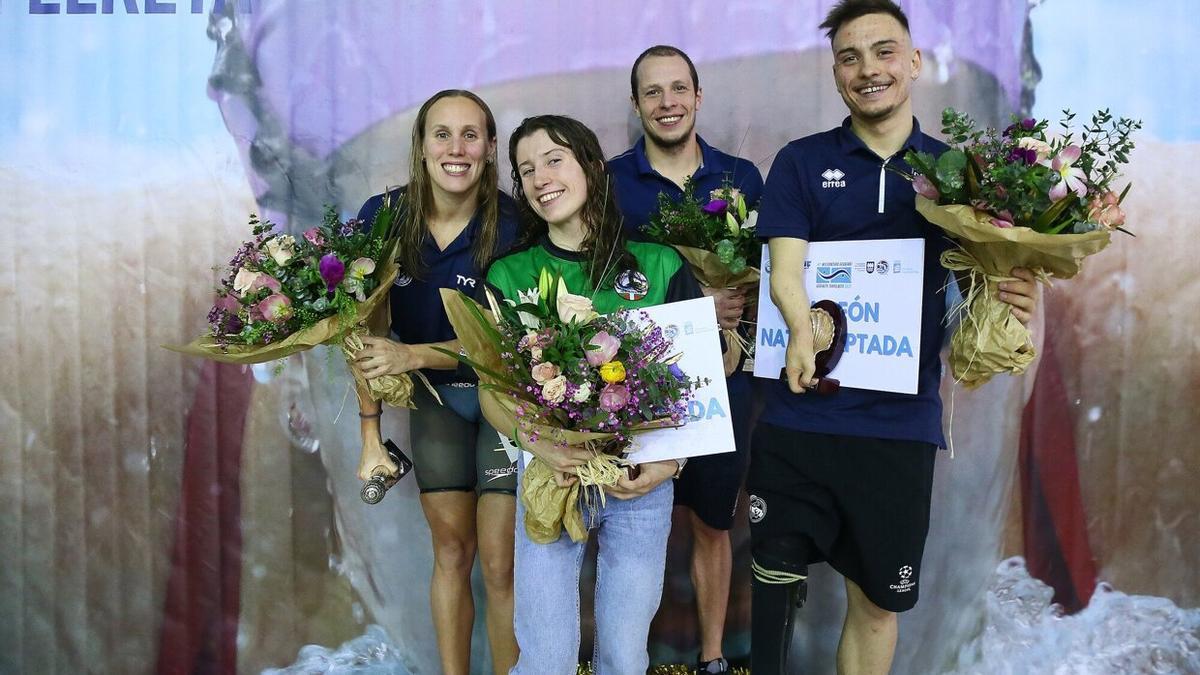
1018 198
564 372
281 295
717 238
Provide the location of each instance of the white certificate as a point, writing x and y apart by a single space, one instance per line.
879 285
709 428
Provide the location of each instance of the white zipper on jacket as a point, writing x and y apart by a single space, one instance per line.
882 182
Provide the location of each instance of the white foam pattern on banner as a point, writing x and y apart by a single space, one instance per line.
368 654
1025 632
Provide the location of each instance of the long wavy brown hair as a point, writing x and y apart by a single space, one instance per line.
603 247
417 203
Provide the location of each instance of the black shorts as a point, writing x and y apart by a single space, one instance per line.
863 502
454 448
710 484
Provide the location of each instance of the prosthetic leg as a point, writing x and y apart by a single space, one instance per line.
779 588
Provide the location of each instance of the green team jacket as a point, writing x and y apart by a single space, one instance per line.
662 276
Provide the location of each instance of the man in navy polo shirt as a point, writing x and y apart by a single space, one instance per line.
666 96
847 478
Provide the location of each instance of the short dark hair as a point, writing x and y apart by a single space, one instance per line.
849 10
662 50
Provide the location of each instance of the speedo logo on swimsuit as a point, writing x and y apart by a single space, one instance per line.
833 178
497 474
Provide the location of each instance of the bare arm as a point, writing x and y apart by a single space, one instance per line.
373 454
381 356
789 295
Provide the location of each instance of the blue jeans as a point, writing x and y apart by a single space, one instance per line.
629 582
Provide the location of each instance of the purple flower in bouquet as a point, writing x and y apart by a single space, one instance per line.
924 187
606 348
227 303
1071 177
527 341
613 397
313 236
716 206
1026 124
332 271
276 308
677 372
223 317
1038 145
1027 155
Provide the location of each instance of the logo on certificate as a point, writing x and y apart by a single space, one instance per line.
833 275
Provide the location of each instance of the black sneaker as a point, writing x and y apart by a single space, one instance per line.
715 667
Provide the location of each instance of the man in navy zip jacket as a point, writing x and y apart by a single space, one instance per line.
666 95
847 478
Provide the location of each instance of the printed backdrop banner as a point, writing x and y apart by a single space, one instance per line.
161 514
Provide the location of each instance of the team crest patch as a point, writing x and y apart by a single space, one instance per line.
402 280
758 508
631 285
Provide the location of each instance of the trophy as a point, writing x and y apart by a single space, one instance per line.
829 341
380 481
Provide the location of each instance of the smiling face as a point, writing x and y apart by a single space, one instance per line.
874 66
552 179
456 146
667 100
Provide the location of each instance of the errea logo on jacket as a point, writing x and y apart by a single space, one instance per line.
833 178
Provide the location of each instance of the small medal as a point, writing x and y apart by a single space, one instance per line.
631 285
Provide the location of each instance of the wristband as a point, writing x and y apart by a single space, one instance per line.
682 462
367 416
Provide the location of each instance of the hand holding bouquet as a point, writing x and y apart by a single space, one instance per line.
1017 198
281 295
565 373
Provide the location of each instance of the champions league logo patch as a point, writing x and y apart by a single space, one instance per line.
402 280
631 285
